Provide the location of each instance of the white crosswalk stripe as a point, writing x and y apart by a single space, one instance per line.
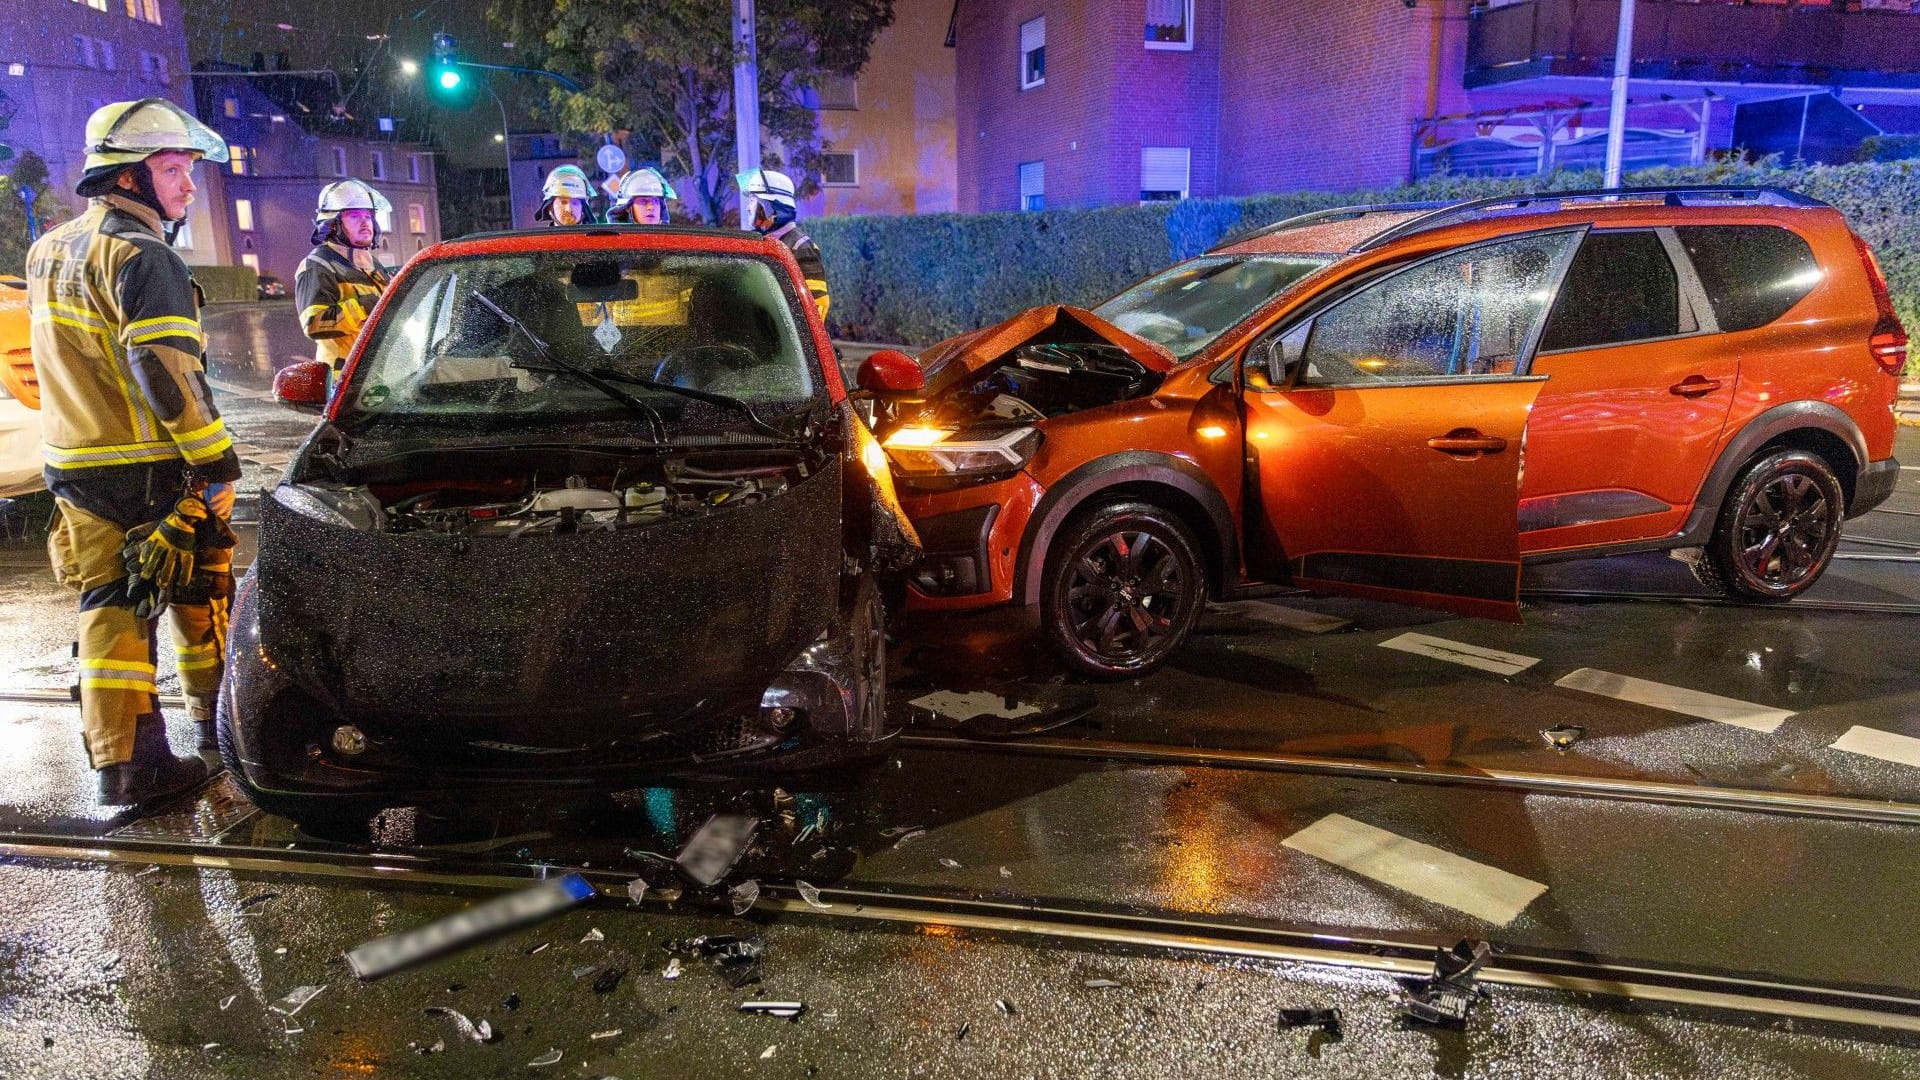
1431 873
1456 652
1676 699
1885 745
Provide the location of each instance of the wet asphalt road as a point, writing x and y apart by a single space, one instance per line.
124 972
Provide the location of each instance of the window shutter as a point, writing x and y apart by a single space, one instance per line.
1164 168
1033 34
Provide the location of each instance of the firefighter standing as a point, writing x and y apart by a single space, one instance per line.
774 212
138 460
566 197
340 281
642 199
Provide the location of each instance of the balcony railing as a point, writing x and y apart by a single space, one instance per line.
1706 42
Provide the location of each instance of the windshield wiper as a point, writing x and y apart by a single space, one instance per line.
555 364
711 397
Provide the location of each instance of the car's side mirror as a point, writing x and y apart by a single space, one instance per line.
303 386
890 371
1284 351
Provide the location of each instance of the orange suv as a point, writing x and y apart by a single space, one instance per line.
1408 402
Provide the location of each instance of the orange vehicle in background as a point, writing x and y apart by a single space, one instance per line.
20 462
1407 403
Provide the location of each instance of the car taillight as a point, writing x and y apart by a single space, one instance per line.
1888 342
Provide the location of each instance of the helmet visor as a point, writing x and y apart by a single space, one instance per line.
154 125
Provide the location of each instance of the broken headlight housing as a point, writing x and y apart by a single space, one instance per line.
343 507
923 452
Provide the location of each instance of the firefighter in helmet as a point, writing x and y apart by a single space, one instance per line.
566 197
774 213
139 462
642 199
340 280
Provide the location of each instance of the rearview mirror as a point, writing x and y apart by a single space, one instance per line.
303 386
1284 351
891 371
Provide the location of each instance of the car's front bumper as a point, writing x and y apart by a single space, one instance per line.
1873 486
826 705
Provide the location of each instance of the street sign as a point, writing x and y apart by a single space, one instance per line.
611 159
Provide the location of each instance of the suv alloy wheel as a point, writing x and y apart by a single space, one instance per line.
1123 589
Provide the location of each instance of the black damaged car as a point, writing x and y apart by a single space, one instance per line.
588 508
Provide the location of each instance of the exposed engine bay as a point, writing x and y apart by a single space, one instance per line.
1043 380
500 493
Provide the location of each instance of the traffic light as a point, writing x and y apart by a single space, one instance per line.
445 81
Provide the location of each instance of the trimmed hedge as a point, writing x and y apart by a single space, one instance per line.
227 283
915 280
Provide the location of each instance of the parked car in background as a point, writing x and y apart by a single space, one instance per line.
270 288
588 506
1345 401
20 460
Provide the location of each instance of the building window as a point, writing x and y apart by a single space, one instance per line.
97 5
152 10
379 165
104 51
339 161
837 92
16 70
1164 173
840 169
183 236
237 159
251 261
156 68
133 9
230 108
243 214
1033 52
83 50
416 218
413 168
1033 185
383 220
1169 24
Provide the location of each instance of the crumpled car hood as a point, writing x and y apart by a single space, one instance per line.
957 357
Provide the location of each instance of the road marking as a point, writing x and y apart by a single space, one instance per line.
1676 699
1885 745
1431 873
971 704
1307 622
240 391
1473 656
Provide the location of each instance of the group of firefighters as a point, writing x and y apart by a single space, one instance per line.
141 466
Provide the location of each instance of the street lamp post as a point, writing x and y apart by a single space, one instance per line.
1617 114
746 100
506 142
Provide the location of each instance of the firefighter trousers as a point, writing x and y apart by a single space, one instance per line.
118 650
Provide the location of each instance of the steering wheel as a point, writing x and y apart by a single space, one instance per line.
696 365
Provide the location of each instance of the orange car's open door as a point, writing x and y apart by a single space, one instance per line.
1406 493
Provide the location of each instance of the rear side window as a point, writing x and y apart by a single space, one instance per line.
1621 287
1752 273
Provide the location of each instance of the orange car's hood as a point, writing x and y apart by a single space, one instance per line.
1052 324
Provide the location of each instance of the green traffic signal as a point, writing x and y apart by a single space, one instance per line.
449 79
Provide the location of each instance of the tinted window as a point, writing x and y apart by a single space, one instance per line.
1469 313
1621 287
1752 273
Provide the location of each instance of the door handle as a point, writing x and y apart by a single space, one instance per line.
1467 442
1694 386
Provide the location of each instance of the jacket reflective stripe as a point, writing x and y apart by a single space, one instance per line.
95 456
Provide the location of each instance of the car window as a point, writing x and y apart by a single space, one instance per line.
1621 286
1470 312
706 322
1752 273
1189 305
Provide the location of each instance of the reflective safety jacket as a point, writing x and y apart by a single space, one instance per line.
117 348
334 297
812 267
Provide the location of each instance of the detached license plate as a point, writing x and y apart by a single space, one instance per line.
382 956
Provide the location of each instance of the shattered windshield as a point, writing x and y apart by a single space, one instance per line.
458 342
1186 307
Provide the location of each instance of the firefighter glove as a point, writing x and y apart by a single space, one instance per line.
162 554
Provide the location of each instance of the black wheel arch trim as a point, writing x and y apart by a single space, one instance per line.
1074 490
1761 430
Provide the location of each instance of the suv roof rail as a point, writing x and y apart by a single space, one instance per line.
1322 217
1549 201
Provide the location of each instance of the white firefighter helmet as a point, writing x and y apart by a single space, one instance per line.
343 195
565 182
768 186
124 132
643 183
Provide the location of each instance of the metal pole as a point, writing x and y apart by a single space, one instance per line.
746 99
506 144
1617 114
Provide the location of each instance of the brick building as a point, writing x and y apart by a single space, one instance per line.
290 135
1085 103
62 59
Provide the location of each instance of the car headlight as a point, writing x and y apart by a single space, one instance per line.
345 507
917 450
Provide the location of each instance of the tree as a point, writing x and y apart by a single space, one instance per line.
659 73
29 170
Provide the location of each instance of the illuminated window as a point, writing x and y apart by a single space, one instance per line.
1033 185
1164 173
230 108
840 169
152 9
243 214
416 218
252 261
1169 24
237 159
1033 53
